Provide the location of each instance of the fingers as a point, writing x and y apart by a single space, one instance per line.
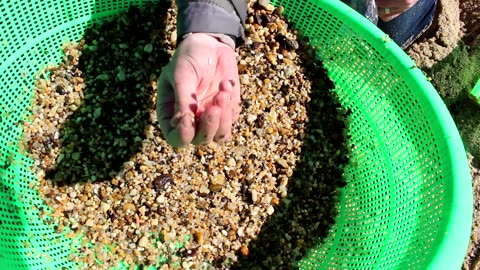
188 114
402 4
208 126
176 103
165 104
388 14
224 102
185 81
183 132
177 128
227 63
235 99
216 121
390 9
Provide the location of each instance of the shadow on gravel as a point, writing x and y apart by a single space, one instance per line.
108 127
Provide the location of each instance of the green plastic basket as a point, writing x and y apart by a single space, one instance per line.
408 204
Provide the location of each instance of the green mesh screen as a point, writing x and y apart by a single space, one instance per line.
408 204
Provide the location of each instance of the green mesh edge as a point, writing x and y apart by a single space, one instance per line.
408 204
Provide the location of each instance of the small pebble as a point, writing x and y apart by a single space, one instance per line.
231 162
173 38
160 199
251 118
148 48
121 76
270 210
244 250
105 206
280 10
198 236
89 223
218 179
271 58
264 3
254 195
129 207
282 162
204 190
143 242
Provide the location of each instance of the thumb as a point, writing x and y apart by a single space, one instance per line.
183 132
177 104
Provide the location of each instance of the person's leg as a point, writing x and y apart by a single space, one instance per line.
411 24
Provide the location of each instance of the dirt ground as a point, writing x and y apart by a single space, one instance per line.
456 20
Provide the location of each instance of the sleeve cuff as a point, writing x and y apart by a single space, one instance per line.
199 17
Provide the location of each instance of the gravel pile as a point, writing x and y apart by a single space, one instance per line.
260 200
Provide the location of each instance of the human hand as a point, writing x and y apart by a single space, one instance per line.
198 92
390 9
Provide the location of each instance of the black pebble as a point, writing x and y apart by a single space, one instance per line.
60 89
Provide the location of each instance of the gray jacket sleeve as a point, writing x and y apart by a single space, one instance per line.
212 16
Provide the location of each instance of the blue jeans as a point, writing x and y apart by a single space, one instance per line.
410 25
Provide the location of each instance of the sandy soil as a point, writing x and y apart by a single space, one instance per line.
441 38
456 20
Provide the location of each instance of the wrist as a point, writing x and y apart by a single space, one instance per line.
226 39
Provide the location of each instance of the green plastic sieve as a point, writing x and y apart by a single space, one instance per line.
408 204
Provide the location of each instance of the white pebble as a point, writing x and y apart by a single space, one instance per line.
282 162
89 223
270 210
231 162
254 195
70 206
244 79
161 199
204 190
263 3
173 37
240 231
105 206
143 242
251 118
